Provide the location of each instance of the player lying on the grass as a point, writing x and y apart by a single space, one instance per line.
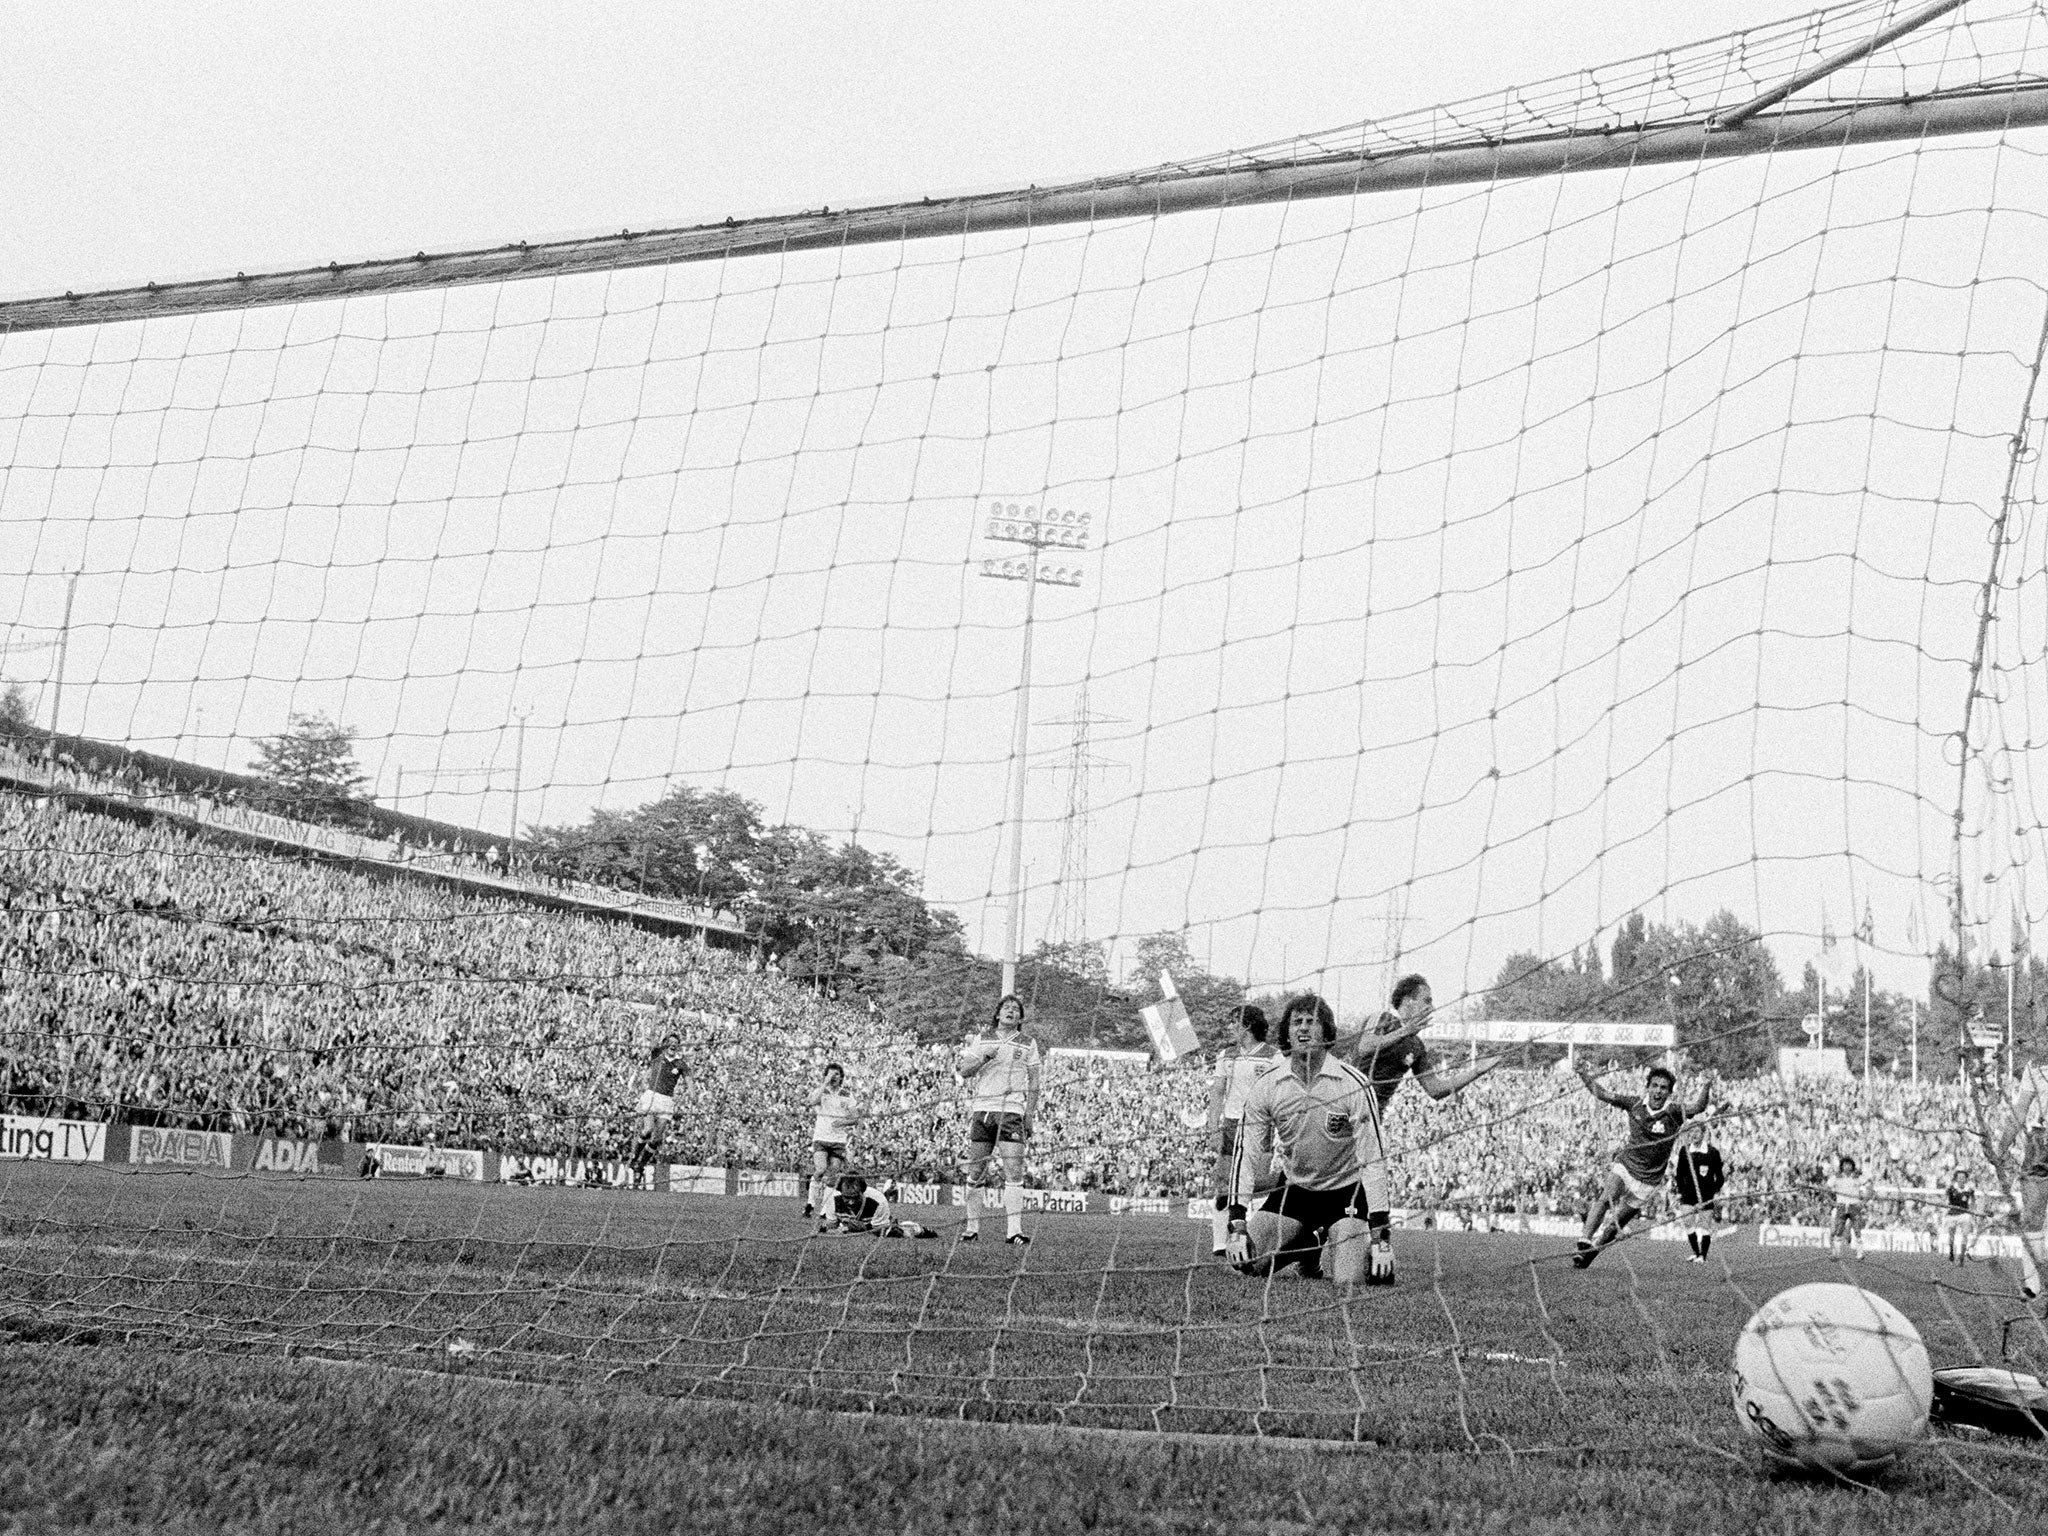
860 1209
1238 1066
1852 1195
657 1104
833 1113
1696 1179
1654 1121
1309 1154
1392 1048
1004 1074
2025 1119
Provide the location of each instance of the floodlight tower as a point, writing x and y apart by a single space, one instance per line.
1037 529
1066 930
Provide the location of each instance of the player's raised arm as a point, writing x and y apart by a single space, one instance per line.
1605 1096
1440 1084
1034 1086
1697 1104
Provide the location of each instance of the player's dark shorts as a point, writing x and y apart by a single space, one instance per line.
1316 1209
985 1128
835 1151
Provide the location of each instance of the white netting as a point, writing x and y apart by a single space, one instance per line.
1474 571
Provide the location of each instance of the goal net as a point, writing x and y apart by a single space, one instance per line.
1578 545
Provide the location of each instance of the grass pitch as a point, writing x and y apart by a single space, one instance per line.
271 1354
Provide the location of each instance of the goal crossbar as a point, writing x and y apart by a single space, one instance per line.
1146 194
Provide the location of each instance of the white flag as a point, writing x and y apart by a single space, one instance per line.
1167 1022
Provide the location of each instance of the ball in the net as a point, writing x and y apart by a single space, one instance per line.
1832 1378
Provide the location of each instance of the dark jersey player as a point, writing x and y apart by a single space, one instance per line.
1654 1121
657 1103
1393 1048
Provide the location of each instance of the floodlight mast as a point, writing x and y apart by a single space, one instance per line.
1037 530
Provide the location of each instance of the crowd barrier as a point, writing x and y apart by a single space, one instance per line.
30 1138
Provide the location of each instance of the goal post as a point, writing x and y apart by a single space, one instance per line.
1580 547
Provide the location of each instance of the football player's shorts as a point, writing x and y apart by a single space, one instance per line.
835 1151
986 1127
1696 1218
652 1103
1637 1191
1957 1222
1317 1209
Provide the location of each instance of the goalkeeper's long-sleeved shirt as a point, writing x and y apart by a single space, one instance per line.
1322 1134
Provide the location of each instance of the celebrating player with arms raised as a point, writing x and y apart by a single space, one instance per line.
1654 1122
1315 1121
1004 1074
1393 1048
1237 1068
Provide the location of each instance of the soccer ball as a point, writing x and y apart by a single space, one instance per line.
1832 1378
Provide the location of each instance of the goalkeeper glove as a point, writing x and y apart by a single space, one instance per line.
1238 1250
1379 1261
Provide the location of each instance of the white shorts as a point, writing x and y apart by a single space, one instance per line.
652 1103
1634 1190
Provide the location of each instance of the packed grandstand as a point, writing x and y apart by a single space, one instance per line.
162 977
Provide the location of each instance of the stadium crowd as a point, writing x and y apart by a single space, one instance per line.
159 976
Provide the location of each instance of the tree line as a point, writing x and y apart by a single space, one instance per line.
843 919
1720 988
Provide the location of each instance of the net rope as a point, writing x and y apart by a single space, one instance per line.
1529 558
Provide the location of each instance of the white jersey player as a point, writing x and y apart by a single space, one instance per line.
1238 1066
833 1112
1004 1072
1309 1153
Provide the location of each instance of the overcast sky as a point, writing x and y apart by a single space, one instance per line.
1500 587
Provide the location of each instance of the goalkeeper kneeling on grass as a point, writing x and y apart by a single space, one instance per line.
1310 1165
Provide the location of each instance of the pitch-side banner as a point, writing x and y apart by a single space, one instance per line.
1578 1032
427 1162
52 1141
